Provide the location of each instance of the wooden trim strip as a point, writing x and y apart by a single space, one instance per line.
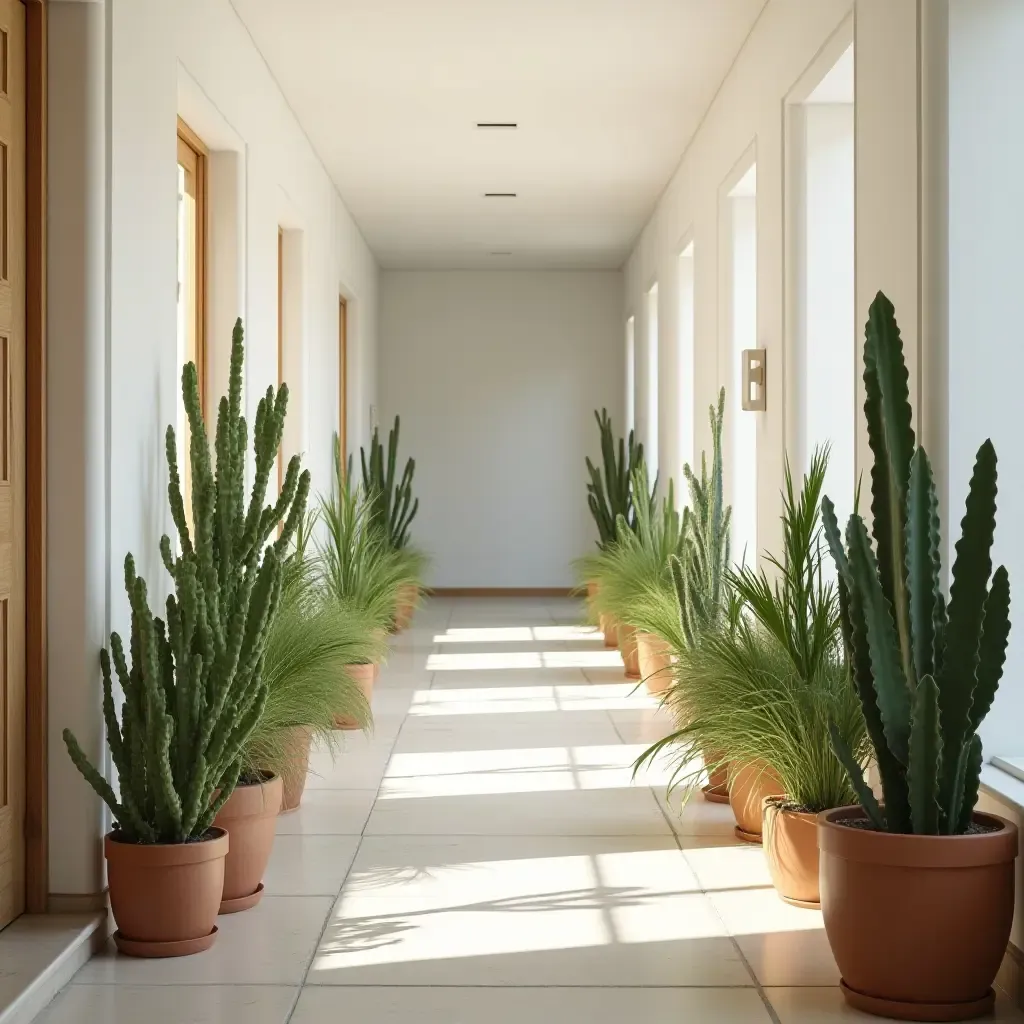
37 881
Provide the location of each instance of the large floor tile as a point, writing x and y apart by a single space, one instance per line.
784 945
358 762
453 871
544 1005
611 812
329 812
309 865
272 944
544 939
827 1006
164 1004
497 732
692 815
723 863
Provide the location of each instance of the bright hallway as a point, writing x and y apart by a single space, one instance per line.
485 856
413 413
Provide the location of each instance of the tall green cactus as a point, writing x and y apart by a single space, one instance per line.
392 505
194 691
700 577
610 496
926 671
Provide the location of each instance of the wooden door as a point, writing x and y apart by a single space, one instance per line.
12 460
343 380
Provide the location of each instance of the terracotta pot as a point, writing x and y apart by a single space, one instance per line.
248 816
628 650
610 629
297 743
749 784
655 662
165 897
717 789
918 924
363 675
381 637
405 606
791 848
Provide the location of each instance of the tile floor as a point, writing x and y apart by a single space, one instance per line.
485 856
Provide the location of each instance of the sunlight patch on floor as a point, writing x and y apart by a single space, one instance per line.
518 634
522 659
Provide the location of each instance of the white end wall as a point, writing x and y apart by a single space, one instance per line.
496 376
112 348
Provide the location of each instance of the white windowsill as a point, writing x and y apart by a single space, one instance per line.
1003 778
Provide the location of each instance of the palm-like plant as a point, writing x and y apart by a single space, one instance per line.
769 690
359 568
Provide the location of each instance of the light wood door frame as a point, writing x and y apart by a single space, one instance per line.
343 381
33 897
37 880
195 158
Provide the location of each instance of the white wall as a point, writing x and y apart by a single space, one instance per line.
156 60
496 376
791 39
986 358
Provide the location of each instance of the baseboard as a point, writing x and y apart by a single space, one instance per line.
1010 978
501 592
77 903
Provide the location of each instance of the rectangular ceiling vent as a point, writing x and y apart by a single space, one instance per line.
497 124
500 195
501 253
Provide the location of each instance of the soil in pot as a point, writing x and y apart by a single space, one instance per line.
790 838
249 817
405 606
165 897
628 650
297 743
717 789
918 924
749 784
655 662
363 675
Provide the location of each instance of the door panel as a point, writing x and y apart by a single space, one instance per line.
12 460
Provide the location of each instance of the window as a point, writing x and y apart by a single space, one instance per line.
651 443
630 375
741 426
191 326
820 165
343 380
684 414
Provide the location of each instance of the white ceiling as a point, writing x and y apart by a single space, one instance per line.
607 94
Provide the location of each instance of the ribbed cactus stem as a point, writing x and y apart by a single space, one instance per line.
926 669
392 505
194 689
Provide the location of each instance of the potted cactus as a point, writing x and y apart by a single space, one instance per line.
392 510
919 870
194 690
361 572
610 495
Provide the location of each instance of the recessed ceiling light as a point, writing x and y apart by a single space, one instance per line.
497 124
500 195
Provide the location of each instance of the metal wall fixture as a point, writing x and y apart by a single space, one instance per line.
752 374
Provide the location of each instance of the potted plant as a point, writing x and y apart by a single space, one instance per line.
608 497
311 641
766 694
627 569
362 573
194 690
920 869
392 509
